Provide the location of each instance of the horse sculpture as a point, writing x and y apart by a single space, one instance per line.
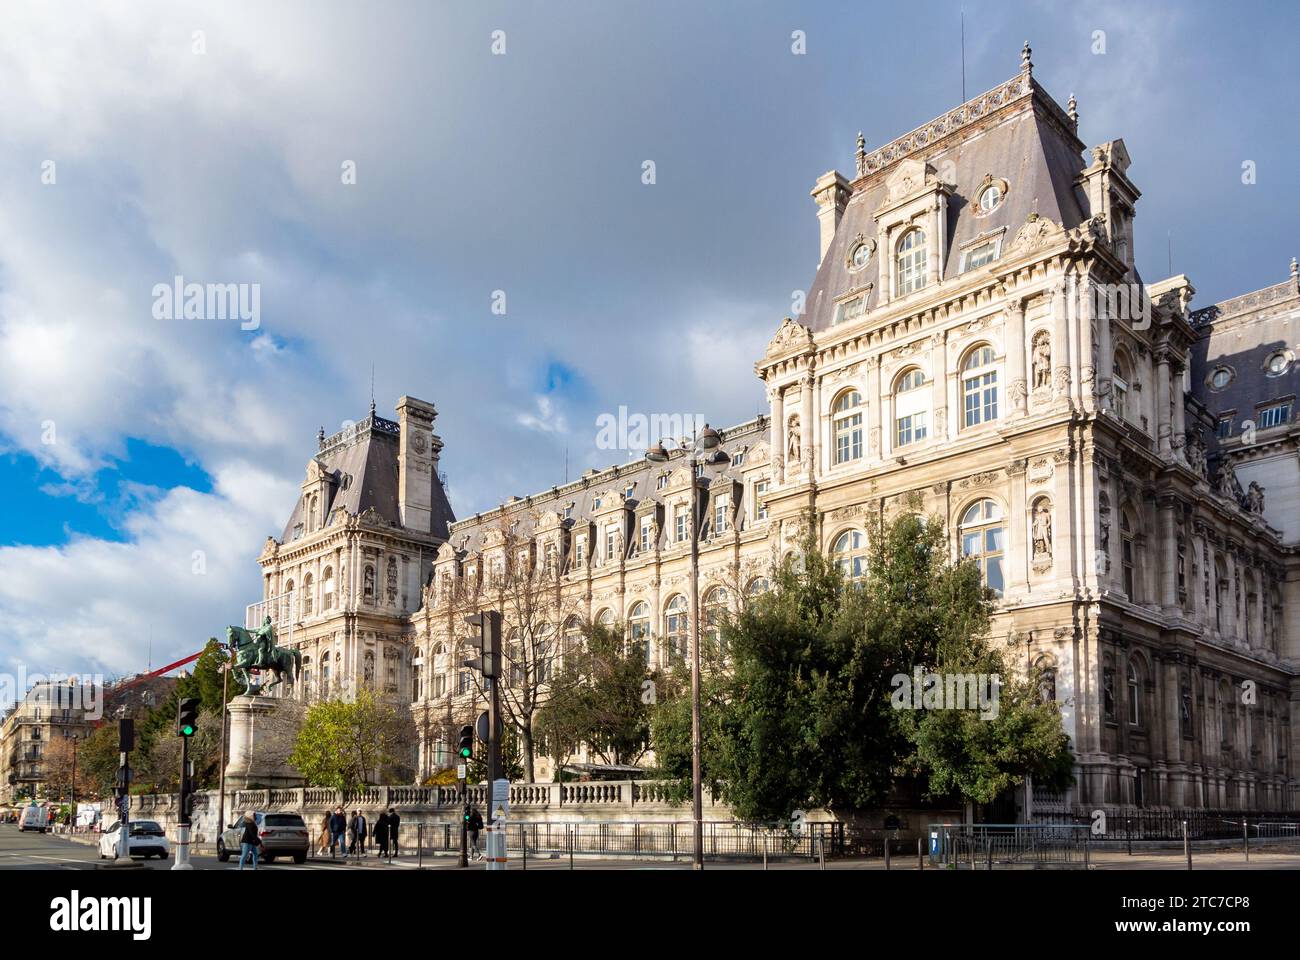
258 651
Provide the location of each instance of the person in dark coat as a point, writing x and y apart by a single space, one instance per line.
474 825
338 831
249 841
381 834
359 826
394 821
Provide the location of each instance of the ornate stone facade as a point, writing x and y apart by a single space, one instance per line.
971 348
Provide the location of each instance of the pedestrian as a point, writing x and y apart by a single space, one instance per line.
475 825
249 841
394 821
338 832
361 833
323 840
352 834
381 834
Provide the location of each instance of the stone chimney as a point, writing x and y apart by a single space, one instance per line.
416 460
831 191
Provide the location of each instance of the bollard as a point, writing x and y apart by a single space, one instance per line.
1128 828
765 853
972 850
920 859
1245 839
886 853
990 856
570 846
1187 846
821 851
523 841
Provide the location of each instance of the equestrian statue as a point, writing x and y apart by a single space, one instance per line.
257 651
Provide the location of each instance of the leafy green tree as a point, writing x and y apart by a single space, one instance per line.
599 697
512 758
806 714
347 744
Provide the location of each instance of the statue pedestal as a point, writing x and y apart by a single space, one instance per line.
261 736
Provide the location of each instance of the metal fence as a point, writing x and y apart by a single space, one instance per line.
1128 825
723 840
989 846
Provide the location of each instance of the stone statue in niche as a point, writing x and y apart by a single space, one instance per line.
392 580
1196 455
1042 531
793 449
369 589
1255 498
1042 359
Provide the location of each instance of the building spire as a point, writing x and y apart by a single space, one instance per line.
320 439
372 389
861 155
1026 65
1072 108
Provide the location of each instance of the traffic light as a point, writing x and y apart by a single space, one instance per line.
487 641
466 742
187 717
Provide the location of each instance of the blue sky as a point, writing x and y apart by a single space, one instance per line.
479 176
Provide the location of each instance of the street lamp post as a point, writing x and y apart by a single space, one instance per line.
706 440
221 764
72 790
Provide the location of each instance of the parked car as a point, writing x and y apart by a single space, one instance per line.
147 839
282 835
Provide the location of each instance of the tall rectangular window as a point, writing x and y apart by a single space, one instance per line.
760 499
683 530
1223 429
981 396
611 542
721 513
647 524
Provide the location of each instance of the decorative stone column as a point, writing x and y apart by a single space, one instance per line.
1105 349
1162 403
1178 400
777 442
807 424
1169 558
1060 343
939 398
1015 339
874 394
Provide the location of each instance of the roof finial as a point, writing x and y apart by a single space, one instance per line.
1026 65
372 389
320 439
1072 108
1295 269
862 154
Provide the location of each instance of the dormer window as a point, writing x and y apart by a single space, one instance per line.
1277 364
568 512
596 504
850 309
662 481
737 459
912 260
627 491
979 255
860 254
1220 377
990 198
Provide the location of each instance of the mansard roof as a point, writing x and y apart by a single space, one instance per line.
1015 133
362 461
1241 334
472 533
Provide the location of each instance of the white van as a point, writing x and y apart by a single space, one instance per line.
34 818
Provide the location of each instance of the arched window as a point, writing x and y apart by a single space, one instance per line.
571 640
1134 695
605 617
1127 555
758 585
713 612
306 594
1119 386
982 538
980 386
327 589
675 625
544 651
847 416
288 589
911 408
850 554
639 629
911 262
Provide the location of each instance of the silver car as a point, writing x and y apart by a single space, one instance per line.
282 835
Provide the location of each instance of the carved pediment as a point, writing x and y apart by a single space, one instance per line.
791 336
908 177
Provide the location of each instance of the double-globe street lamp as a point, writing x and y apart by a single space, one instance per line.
706 440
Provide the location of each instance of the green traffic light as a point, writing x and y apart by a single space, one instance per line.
464 752
187 731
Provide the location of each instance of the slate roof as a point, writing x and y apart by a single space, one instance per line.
642 475
1015 132
363 461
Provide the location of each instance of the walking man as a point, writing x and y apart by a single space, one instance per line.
338 831
474 826
394 821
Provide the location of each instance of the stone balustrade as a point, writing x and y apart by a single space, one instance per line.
642 800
